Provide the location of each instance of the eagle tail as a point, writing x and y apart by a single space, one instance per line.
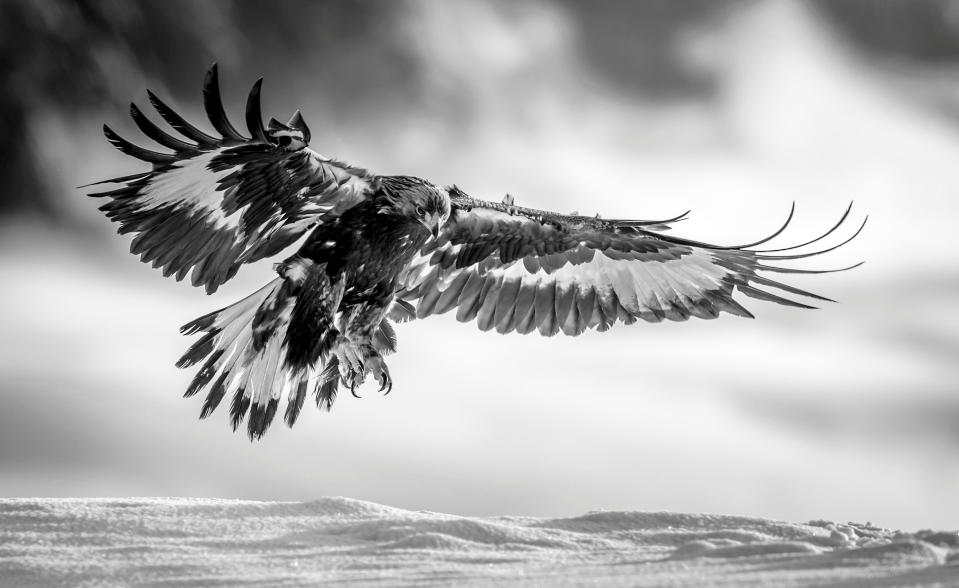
278 342
245 353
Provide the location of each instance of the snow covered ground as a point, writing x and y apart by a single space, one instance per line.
202 542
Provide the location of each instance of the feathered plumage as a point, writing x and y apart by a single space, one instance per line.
389 248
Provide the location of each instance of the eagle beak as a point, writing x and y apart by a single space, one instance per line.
433 224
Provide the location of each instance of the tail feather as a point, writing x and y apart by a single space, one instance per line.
328 384
205 374
295 402
215 395
197 351
238 408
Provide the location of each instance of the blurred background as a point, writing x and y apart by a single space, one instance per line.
634 109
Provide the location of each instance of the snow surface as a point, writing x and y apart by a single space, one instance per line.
205 542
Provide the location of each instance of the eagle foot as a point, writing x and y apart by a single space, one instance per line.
357 362
372 363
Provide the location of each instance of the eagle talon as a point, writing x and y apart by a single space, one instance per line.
386 382
354 384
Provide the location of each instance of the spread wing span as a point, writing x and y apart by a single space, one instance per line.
216 203
519 269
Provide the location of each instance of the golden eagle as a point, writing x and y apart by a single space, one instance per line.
388 248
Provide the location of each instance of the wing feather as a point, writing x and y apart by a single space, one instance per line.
506 304
128 148
213 104
254 119
485 317
523 313
148 128
472 294
450 296
546 308
586 306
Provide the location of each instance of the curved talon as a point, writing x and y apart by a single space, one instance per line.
386 382
353 386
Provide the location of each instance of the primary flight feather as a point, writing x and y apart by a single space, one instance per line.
383 249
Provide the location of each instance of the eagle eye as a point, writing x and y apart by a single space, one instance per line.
420 211
285 140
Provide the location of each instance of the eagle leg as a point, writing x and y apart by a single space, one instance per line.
366 336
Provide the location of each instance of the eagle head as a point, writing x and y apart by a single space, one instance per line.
417 200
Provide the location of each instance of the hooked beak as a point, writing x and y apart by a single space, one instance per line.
433 223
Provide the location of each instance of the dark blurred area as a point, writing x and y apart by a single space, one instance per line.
89 57
926 31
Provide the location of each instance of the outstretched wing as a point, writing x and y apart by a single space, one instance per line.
216 203
518 269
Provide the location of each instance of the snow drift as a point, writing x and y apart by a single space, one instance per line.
204 542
